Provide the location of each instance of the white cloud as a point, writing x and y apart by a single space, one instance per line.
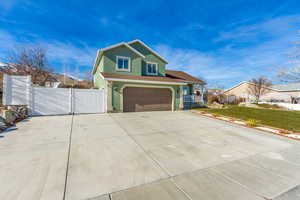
197 63
67 57
251 51
270 28
68 53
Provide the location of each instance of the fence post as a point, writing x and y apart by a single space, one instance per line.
29 94
6 90
71 101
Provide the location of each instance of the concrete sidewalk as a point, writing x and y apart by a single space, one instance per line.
149 156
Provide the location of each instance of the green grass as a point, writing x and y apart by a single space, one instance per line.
288 120
265 105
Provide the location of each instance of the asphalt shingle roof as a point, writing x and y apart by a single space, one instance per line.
287 87
142 78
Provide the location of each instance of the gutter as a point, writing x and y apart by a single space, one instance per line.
142 81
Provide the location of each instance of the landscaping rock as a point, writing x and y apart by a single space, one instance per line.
3 124
216 105
9 115
247 104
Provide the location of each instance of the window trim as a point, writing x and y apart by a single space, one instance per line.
156 64
129 64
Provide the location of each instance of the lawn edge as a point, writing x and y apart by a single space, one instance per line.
232 121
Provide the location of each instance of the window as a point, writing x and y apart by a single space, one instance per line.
152 69
185 91
123 63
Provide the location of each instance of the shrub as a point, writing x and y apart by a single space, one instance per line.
239 100
216 115
212 98
252 122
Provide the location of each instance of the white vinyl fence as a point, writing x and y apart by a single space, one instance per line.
289 106
17 90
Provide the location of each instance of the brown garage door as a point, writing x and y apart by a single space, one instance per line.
146 99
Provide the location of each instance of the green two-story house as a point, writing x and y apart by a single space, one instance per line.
134 78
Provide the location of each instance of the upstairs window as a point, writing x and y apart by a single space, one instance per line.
152 69
123 63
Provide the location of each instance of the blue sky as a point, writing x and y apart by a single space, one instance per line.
224 42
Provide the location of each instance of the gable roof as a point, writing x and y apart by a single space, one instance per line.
287 87
279 88
148 48
101 51
184 76
246 82
142 79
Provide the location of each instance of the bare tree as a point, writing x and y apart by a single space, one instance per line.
292 73
31 60
258 87
216 85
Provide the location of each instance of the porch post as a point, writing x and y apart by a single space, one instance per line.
109 96
181 97
202 93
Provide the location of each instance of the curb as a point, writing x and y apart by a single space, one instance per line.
268 129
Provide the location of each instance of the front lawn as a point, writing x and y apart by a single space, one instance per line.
288 120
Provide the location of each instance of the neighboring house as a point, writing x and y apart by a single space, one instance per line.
211 91
284 92
135 79
292 89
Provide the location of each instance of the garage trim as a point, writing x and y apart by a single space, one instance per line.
147 86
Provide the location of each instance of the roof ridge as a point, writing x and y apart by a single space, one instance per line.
149 48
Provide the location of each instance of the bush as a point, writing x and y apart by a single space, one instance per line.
216 115
239 100
220 98
212 98
252 122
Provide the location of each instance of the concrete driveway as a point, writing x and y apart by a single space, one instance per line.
145 156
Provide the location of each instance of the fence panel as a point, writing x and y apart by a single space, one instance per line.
88 101
51 101
16 90
289 106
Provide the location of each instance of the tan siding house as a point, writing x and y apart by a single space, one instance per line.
283 92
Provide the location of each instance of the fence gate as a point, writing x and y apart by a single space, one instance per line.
17 90
51 101
88 101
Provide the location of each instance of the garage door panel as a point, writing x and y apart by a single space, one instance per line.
146 99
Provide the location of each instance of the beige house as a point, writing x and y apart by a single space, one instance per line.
283 92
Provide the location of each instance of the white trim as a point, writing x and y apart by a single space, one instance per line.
129 64
153 63
120 44
96 61
143 81
147 86
101 51
102 76
147 47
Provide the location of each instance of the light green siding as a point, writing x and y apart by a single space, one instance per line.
137 67
117 92
110 58
149 57
99 82
137 64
